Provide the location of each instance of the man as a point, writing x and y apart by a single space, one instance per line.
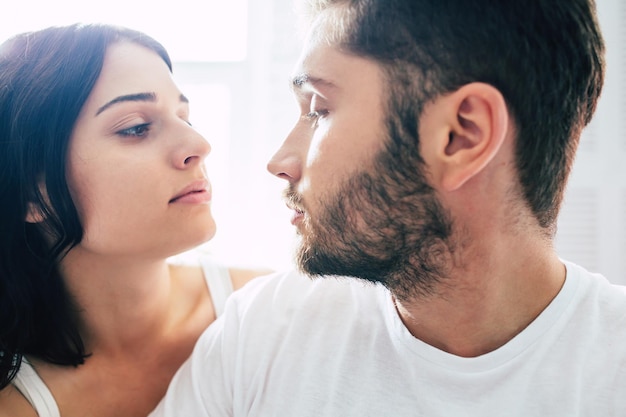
430 159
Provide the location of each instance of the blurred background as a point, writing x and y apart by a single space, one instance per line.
233 60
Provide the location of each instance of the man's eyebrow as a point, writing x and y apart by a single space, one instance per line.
300 80
150 97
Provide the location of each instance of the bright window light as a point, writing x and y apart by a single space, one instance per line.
191 30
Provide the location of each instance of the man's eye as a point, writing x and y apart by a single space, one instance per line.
135 131
315 115
312 115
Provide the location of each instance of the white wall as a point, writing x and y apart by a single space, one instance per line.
253 222
592 226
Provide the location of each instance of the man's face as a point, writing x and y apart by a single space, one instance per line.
361 204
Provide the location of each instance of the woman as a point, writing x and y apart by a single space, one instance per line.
101 180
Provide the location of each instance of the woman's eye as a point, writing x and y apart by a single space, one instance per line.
139 131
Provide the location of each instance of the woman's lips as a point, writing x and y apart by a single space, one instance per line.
193 197
197 192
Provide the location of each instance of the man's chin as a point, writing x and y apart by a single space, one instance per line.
305 264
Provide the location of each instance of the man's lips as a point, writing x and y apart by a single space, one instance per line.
196 192
294 202
298 214
295 208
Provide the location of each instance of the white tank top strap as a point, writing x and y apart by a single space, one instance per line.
32 387
219 282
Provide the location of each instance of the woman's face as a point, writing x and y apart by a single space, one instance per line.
136 166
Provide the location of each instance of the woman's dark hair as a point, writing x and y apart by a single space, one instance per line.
45 79
546 57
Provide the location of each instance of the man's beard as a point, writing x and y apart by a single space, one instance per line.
384 225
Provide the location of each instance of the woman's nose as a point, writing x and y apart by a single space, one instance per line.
192 150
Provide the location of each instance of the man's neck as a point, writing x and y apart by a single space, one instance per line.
485 305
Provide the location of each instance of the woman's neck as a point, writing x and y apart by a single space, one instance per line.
121 302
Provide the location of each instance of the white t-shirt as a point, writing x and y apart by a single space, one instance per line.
34 389
290 346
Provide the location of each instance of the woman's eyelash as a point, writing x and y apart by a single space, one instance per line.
139 131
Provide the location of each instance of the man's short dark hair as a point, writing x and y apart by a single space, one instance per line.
546 57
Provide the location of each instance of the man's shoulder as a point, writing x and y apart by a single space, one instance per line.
281 302
283 283
600 300
600 284
291 289
620 290
289 308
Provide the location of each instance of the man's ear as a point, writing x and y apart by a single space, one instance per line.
34 214
463 132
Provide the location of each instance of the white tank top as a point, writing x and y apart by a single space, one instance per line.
28 382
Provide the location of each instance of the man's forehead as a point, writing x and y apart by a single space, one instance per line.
316 66
326 68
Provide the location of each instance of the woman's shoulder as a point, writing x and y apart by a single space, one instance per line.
13 403
208 283
192 276
241 276
188 284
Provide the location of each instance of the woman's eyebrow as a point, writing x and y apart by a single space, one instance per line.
151 97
